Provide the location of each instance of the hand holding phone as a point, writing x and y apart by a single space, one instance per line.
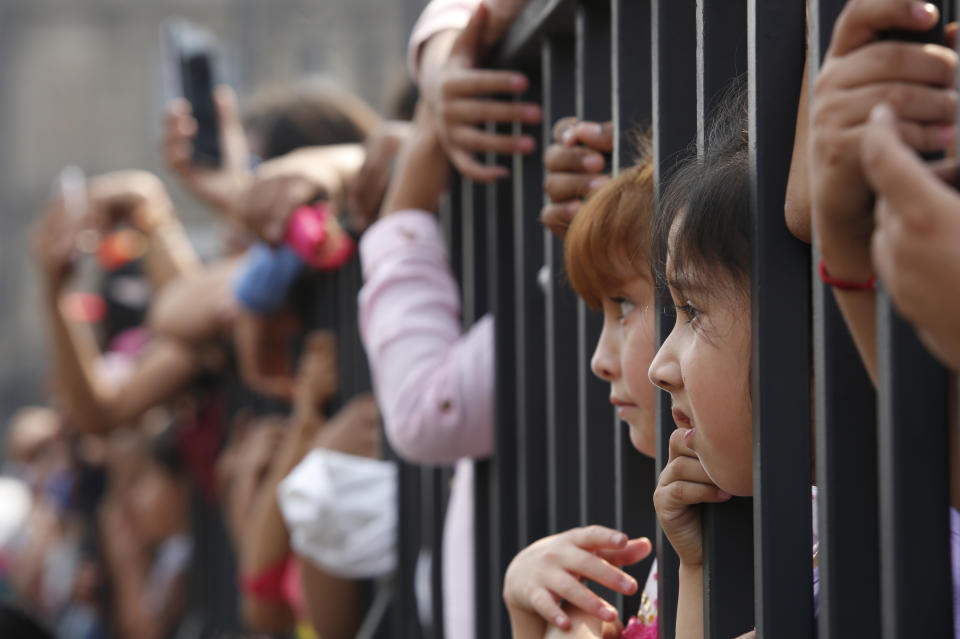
190 72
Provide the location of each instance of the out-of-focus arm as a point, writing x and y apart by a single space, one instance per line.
453 15
439 16
434 383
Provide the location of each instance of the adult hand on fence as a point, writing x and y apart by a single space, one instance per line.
683 485
422 168
317 375
366 191
858 72
355 430
457 93
261 345
280 187
219 187
918 229
549 570
574 166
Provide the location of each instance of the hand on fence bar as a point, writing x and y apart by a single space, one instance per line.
422 169
683 485
551 569
575 169
860 71
457 93
354 430
261 345
302 177
366 191
917 232
219 187
318 378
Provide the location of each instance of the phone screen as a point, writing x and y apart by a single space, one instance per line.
198 90
189 56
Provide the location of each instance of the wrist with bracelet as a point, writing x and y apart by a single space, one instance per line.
845 284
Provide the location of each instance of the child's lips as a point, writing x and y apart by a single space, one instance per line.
680 418
623 406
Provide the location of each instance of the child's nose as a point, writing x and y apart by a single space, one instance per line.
605 363
664 372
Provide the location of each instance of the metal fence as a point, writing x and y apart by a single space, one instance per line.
881 458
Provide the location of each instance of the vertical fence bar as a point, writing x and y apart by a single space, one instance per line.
674 67
781 330
721 55
913 459
529 300
475 275
426 559
597 451
563 460
915 580
503 466
406 622
846 437
599 431
727 528
636 476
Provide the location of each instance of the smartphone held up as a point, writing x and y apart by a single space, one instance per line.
190 72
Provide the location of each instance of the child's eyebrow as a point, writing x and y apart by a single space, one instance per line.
684 284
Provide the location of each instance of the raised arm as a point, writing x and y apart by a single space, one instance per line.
95 404
447 51
860 71
434 384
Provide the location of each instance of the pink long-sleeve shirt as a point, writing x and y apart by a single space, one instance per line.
446 15
433 382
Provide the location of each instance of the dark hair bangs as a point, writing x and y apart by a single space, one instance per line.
704 225
703 218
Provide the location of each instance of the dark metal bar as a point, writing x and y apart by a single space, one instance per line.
728 569
529 303
673 50
721 55
428 543
781 330
431 533
846 437
727 528
562 399
406 622
539 20
636 476
913 390
440 498
597 447
503 478
475 269
915 577
599 430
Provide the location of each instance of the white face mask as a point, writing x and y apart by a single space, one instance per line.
341 511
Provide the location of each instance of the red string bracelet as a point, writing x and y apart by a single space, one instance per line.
845 285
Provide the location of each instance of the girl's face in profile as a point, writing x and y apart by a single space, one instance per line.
705 366
623 355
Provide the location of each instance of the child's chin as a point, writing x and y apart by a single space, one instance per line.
644 439
729 482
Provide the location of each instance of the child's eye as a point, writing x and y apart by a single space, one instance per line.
626 306
690 312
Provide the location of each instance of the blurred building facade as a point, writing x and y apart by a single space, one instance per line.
80 83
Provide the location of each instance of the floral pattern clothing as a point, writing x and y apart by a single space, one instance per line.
644 625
